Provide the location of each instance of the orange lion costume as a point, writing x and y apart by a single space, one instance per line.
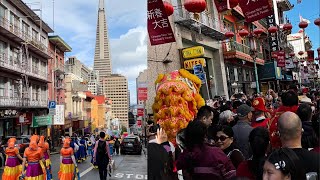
177 101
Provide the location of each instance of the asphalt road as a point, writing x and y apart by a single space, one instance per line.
126 167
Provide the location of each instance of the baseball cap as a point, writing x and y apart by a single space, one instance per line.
244 110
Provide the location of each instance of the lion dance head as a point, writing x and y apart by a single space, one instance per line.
177 101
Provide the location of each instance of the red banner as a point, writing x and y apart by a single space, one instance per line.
27 119
142 94
310 55
281 59
140 112
254 10
159 27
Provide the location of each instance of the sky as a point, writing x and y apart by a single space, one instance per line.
75 21
310 10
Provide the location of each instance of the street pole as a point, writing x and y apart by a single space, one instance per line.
256 73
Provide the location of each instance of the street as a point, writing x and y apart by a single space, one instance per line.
126 167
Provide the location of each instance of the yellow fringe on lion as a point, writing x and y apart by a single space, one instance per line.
177 101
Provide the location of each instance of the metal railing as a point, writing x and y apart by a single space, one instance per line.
205 18
235 46
10 63
10 101
38 73
14 29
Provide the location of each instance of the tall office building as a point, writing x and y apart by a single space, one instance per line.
94 83
102 61
114 86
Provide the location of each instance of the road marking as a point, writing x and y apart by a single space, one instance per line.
86 171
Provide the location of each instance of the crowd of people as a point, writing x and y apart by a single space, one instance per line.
272 136
35 164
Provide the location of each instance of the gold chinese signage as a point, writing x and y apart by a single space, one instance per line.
189 64
193 52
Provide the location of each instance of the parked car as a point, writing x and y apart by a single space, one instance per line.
131 144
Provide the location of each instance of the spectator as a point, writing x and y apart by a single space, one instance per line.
226 118
243 128
283 164
290 132
205 115
309 138
259 142
289 103
259 113
224 140
200 161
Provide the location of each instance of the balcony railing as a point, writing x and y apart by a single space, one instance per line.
10 63
23 36
21 102
38 74
208 25
235 46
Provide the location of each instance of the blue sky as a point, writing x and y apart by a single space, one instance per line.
308 9
75 21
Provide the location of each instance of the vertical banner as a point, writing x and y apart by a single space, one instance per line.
58 118
159 27
254 10
140 112
273 40
310 55
142 94
281 60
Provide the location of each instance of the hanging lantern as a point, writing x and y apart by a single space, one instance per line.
195 6
257 31
287 27
303 24
272 29
300 53
292 54
243 33
274 55
295 61
229 34
317 22
302 60
168 8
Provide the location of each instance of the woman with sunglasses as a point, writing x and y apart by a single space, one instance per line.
224 140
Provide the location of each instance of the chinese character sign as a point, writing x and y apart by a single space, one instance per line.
254 10
142 94
222 5
310 55
159 28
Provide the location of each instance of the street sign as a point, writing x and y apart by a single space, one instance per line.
52 111
52 104
198 71
21 119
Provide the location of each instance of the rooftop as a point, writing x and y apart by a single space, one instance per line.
60 43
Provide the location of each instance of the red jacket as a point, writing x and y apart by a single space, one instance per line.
273 125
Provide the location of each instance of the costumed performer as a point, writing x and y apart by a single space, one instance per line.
13 167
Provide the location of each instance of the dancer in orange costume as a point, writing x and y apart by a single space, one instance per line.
67 161
33 156
46 154
13 167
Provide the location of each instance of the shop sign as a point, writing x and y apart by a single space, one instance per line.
25 117
8 113
254 10
41 121
159 28
189 64
193 52
140 112
281 59
59 115
142 93
273 40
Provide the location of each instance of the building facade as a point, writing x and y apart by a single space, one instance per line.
23 69
115 88
94 82
76 67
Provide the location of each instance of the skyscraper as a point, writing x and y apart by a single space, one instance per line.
114 86
102 61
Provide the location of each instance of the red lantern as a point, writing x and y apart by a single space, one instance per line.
295 61
300 53
274 55
303 24
229 34
292 54
168 8
243 33
257 31
317 22
287 27
272 29
195 6
301 60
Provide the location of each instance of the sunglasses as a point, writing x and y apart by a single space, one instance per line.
222 138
